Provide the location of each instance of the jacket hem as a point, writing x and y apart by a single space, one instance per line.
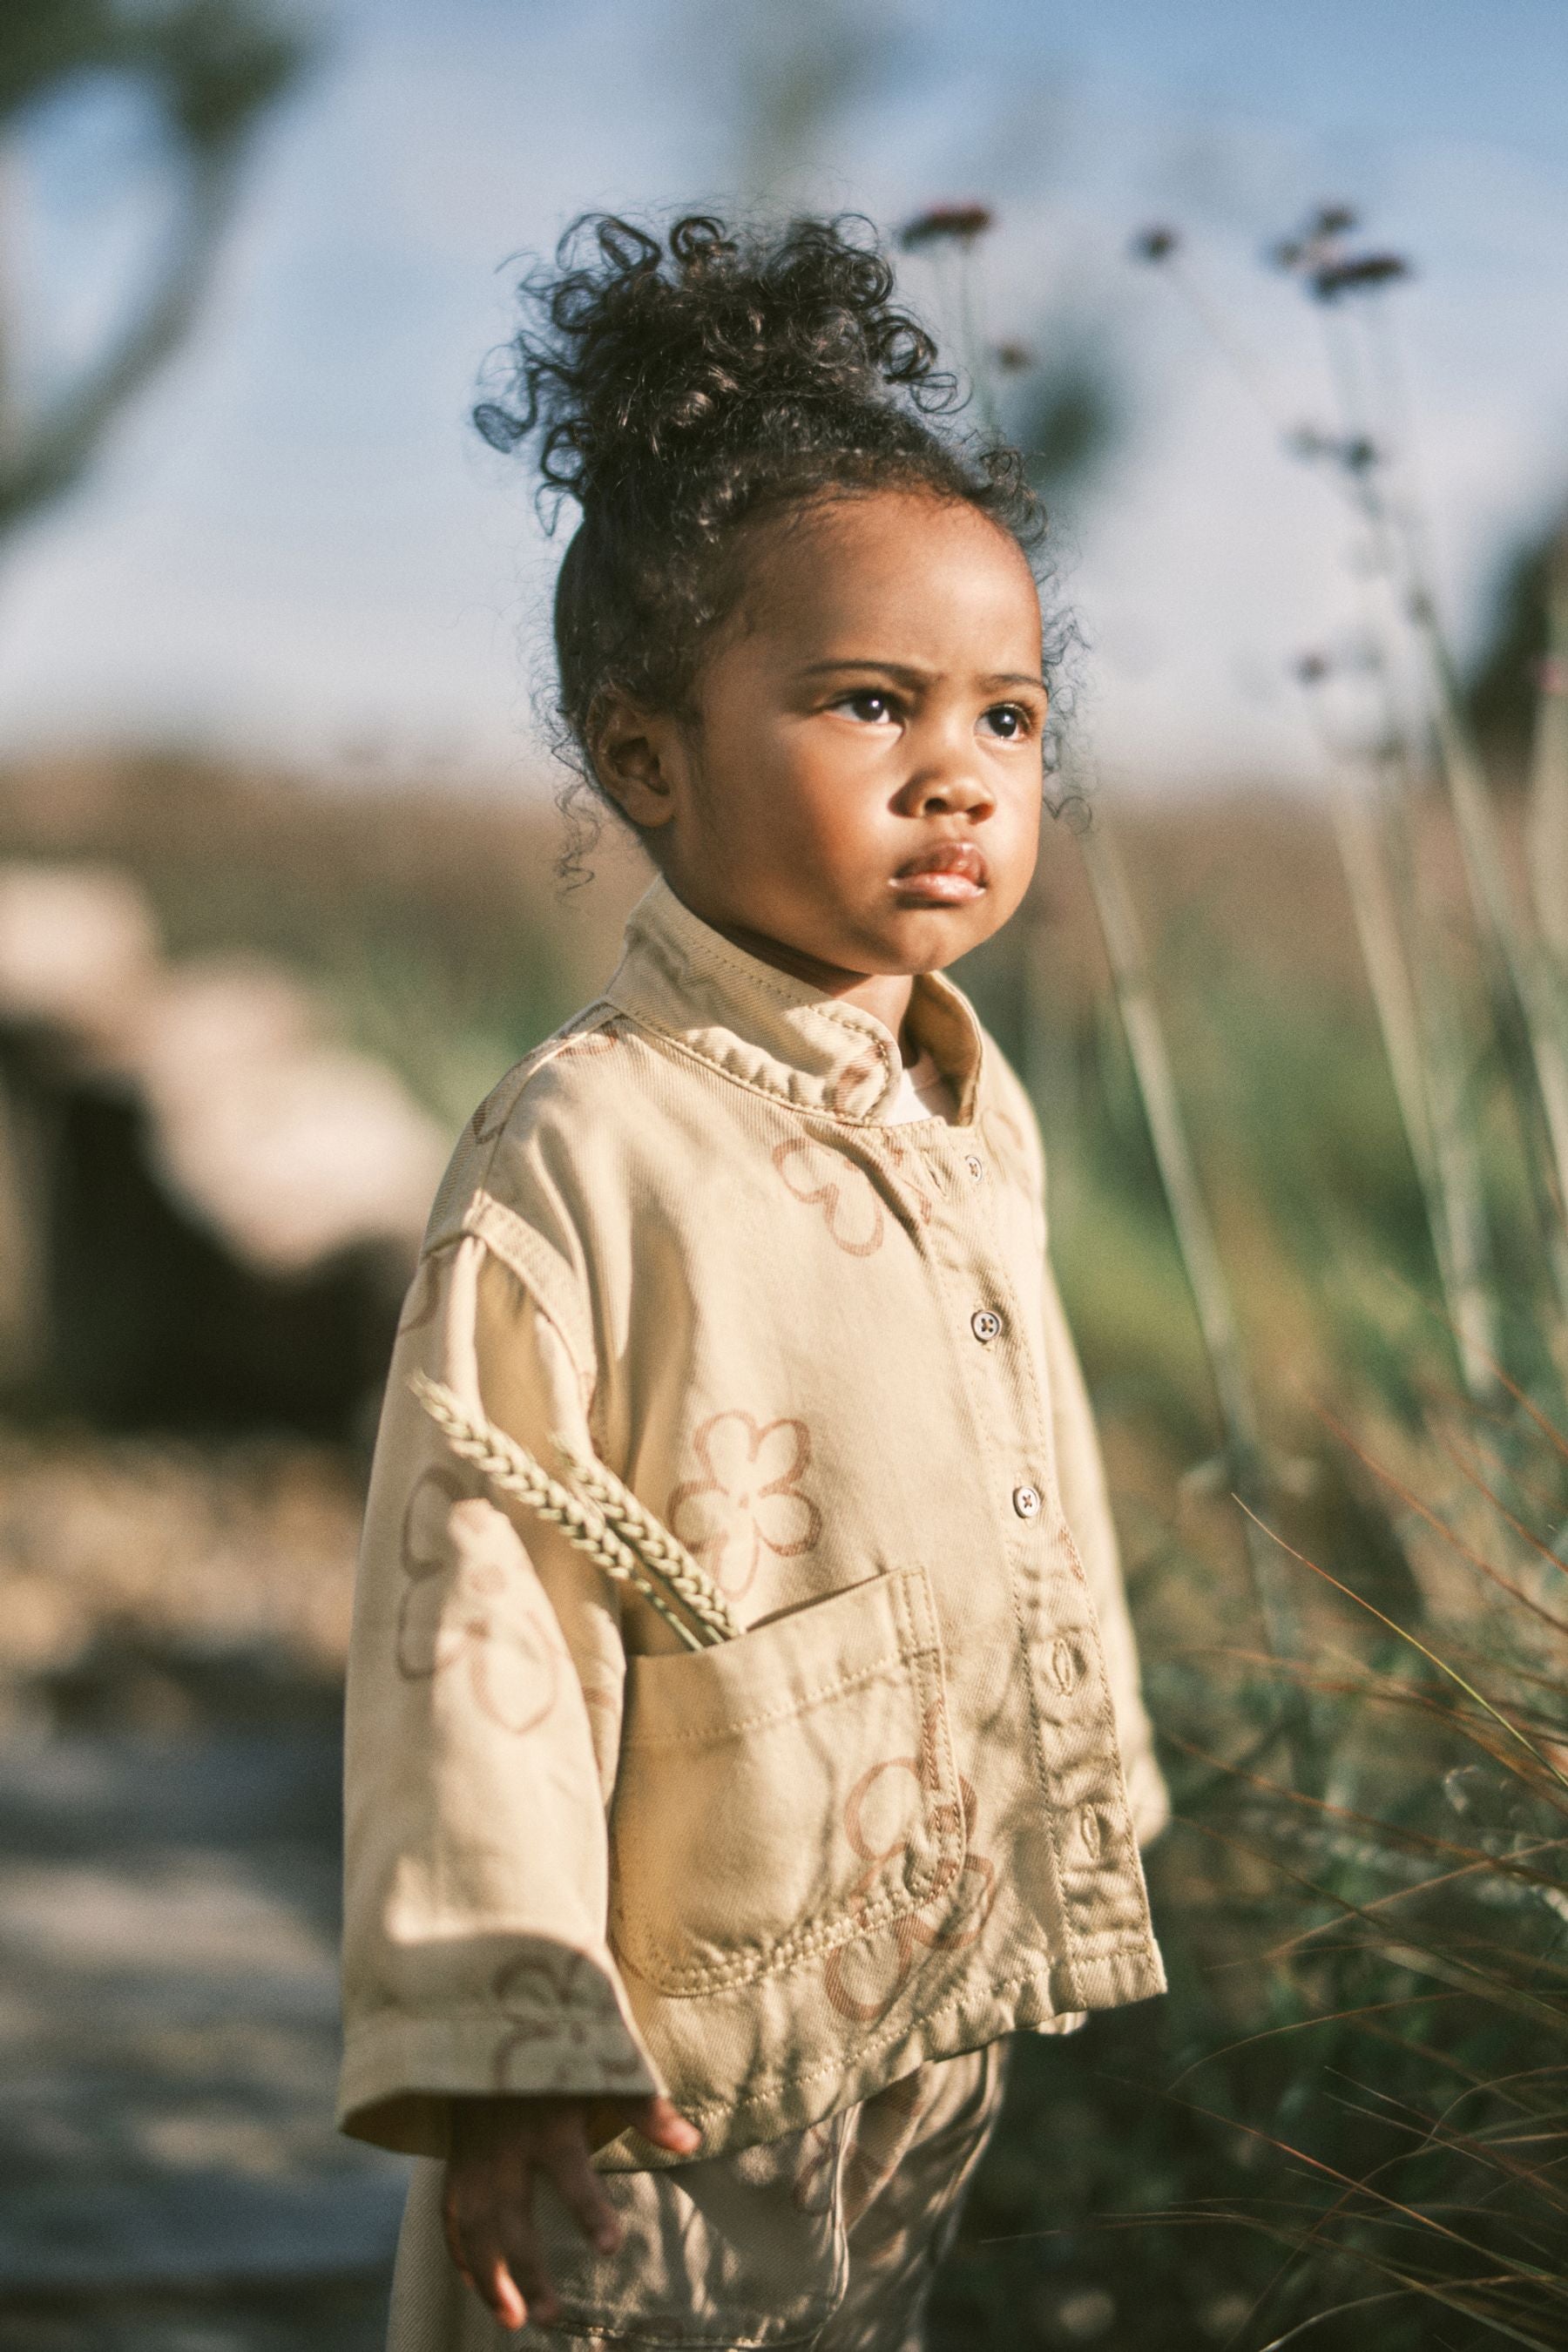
1049 1998
400 2073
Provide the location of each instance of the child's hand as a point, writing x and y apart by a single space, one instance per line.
499 2146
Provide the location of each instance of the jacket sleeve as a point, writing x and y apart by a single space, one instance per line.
484 1694
1082 1472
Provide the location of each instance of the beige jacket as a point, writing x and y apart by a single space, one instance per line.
898 1816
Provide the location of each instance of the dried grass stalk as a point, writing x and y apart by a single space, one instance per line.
660 1553
689 1601
1189 1214
1439 1146
1518 970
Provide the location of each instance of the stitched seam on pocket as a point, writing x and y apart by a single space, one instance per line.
761 2087
755 1961
949 1849
750 1960
879 1666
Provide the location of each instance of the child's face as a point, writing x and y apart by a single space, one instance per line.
861 786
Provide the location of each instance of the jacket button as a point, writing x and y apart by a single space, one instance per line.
974 1164
985 1325
1026 1502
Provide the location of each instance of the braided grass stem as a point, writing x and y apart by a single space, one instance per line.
650 1539
511 1469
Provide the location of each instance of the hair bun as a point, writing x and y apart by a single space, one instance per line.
682 386
639 356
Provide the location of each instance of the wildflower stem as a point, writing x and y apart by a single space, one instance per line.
1438 1148
1527 1004
1529 1022
971 340
1242 362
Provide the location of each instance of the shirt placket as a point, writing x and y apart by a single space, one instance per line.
1099 1891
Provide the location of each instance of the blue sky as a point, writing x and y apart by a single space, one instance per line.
295 548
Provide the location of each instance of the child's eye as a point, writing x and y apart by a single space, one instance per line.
869 703
1010 721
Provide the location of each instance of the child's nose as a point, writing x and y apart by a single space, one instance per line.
951 786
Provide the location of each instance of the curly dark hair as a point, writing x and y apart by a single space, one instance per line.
679 388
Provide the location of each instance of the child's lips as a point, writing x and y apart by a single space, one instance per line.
951 875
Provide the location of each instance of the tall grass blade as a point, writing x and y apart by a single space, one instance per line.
1518 969
1548 822
1405 1635
1445 1165
1189 1214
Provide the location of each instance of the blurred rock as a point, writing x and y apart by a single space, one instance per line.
289 1145
209 1206
79 951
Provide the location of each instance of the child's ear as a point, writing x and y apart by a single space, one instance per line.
631 750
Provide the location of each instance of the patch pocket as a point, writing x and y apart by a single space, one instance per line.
785 1793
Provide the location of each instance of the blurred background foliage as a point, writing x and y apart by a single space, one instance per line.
1321 1278
213 70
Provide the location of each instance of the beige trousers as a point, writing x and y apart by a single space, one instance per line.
829 2238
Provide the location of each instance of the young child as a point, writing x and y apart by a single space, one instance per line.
687 1962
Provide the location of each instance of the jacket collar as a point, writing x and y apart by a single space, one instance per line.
682 979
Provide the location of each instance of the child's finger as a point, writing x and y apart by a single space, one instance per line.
580 2190
495 2285
479 2262
660 2122
525 2274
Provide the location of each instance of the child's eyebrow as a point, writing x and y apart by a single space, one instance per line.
909 674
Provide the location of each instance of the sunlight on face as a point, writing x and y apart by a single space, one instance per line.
861 787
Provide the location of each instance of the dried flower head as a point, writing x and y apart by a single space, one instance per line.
1358 273
1318 245
1356 453
955 224
1154 244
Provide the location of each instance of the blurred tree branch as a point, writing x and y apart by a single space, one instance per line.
215 68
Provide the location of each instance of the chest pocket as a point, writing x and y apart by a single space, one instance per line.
782 1794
